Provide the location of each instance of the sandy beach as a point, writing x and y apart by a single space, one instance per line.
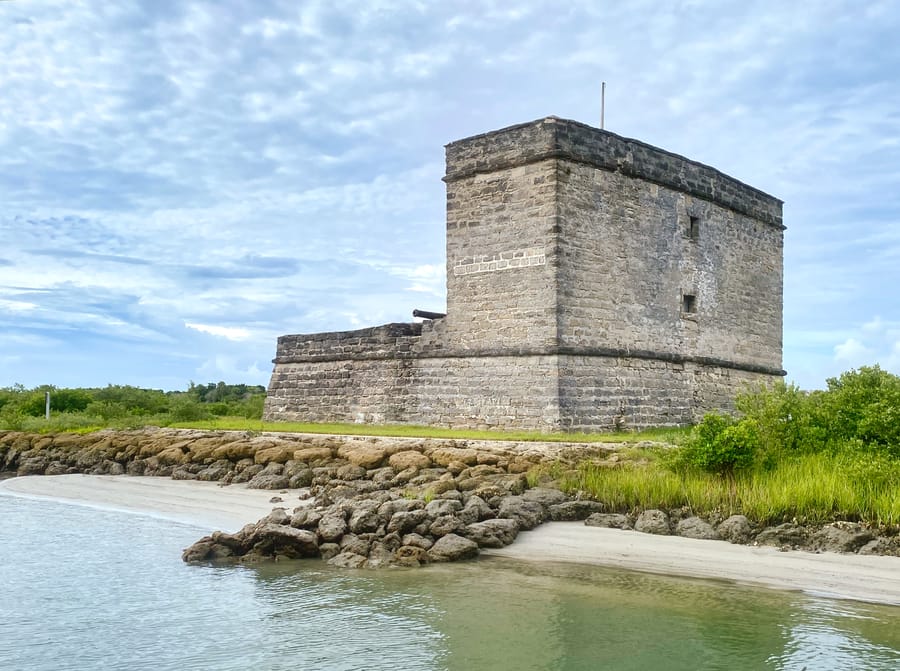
845 576
206 504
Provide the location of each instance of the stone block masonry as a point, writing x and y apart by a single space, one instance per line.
594 282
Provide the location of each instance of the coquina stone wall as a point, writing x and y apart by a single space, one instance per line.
593 282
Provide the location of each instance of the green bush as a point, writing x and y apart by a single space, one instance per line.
721 445
863 404
785 418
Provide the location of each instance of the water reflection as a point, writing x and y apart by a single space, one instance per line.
500 614
87 589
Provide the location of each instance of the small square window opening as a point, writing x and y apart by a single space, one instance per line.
688 304
694 228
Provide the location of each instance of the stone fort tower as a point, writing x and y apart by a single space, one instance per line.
593 282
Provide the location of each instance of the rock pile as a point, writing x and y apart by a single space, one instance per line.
383 528
370 502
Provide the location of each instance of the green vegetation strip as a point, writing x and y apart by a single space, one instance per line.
810 488
405 430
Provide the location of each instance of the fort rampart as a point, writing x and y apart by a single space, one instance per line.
593 282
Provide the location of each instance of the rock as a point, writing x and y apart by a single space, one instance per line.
355 544
400 461
366 455
784 535
236 543
115 468
496 533
276 499
388 508
202 550
574 510
277 516
653 522
475 510
735 529
840 537
446 524
528 514
300 479
329 550
445 455
417 541
332 526
452 548
136 467
313 455
480 471
411 555
306 518
182 473
443 487
348 560
546 497
515 484
608 521
286 541
380 555
56 468
439 507
879 546
365 518
279 454
322 475
247 474
382 476
268 481
32 466
216 471
452 495
351 472
694 527
173 456
404 521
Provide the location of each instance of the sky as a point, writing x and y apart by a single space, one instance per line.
183 181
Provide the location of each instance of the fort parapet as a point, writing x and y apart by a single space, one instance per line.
593 282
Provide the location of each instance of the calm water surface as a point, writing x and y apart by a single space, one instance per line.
91 589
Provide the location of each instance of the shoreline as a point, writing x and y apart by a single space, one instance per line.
868 578
207 505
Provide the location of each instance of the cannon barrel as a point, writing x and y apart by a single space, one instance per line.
425 314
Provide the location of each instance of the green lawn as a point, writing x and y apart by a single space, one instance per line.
404 430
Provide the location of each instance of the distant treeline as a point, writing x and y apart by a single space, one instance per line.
126 406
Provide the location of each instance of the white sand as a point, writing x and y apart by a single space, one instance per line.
206 504
203 504
847 576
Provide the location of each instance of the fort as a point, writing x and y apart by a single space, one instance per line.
594 282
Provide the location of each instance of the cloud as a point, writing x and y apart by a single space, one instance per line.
852 352
229 332
275 167
876 341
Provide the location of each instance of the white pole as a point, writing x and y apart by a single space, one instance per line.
602 105
47 405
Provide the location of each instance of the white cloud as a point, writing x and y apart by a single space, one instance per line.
229 332
852 352
262 168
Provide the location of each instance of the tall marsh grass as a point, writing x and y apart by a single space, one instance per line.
810 488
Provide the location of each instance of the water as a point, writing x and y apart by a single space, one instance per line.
91 589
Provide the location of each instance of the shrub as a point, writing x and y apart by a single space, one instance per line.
785 420
863 404
721 445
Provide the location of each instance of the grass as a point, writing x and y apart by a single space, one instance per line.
811 488
407 430
83 423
